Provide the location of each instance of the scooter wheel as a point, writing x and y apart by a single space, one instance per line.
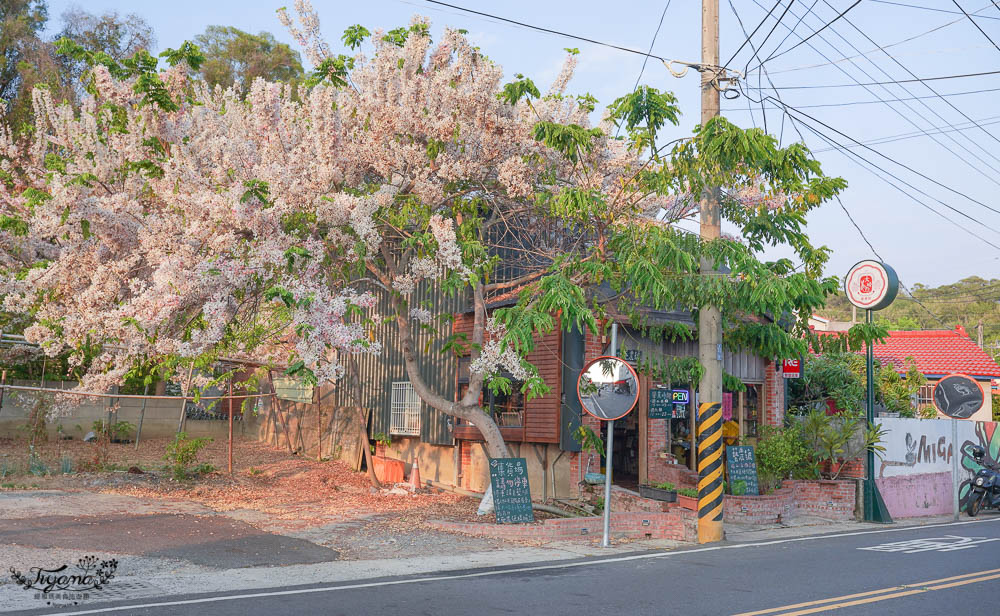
974 506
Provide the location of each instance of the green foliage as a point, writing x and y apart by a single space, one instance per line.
688 492
35 465
841 377
182 452
116 430
841 437
232 57
381 438
516 90
355 35
570 140
665 485
783 453
590 441
739 487
643 113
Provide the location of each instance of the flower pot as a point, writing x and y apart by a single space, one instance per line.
667 496
388 470
688 502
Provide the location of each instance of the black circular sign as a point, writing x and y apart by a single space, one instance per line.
958 396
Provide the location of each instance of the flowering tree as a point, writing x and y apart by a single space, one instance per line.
170 223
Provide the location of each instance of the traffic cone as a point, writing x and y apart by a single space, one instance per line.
415 476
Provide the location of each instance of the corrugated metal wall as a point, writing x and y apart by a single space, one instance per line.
439 371
743 365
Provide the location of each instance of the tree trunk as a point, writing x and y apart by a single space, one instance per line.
467 408
363 424
366 447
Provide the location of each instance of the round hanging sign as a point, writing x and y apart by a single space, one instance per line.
871 285
958 396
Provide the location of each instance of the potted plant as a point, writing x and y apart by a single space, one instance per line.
688 498
660 491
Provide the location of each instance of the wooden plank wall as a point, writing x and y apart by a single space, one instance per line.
541 415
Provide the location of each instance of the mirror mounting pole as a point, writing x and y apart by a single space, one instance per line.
605 542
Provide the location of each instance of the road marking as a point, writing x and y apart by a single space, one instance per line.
461 576
905 587
896 595
948 543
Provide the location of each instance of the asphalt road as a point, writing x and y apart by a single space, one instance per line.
949 569
609 404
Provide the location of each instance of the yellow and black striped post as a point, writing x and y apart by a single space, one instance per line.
709 472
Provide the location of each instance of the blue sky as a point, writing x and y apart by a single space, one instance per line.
921 245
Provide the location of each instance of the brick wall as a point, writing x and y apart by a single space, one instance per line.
832 500
677 524
774 396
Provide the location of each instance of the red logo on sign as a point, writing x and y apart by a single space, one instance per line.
866 284
791 369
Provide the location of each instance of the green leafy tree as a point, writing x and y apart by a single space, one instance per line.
235 58
118 36
840 376
28 60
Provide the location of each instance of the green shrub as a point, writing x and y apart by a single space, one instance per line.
783 453
666 485
689 492
182 452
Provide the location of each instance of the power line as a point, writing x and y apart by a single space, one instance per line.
905 117
556 32
888 83
744 44
983 32
882 101
911 135
842 206
904 166
897 43
803 41
770 32
928 8
646 59
933 91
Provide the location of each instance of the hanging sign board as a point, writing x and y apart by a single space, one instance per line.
661 405
958 396
511 492
871 285
608 388
742 466
293 390
791 369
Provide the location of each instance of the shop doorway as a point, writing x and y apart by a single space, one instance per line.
625 470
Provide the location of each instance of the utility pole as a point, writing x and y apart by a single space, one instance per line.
709 422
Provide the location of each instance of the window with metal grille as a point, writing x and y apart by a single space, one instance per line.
925 397
405 419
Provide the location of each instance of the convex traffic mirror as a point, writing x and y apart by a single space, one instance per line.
608 388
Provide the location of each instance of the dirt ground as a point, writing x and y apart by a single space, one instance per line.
325 503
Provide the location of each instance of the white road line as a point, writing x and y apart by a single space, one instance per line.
439 578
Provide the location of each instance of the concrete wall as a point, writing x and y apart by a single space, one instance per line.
915 473
442 463
160 418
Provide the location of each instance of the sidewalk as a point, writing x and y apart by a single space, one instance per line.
165 548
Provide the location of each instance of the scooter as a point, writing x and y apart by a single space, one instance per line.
985 485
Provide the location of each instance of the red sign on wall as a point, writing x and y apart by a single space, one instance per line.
791 368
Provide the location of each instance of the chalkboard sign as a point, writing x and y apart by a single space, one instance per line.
661 404
742 466
511 493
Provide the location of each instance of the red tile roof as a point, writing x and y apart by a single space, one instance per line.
937 352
